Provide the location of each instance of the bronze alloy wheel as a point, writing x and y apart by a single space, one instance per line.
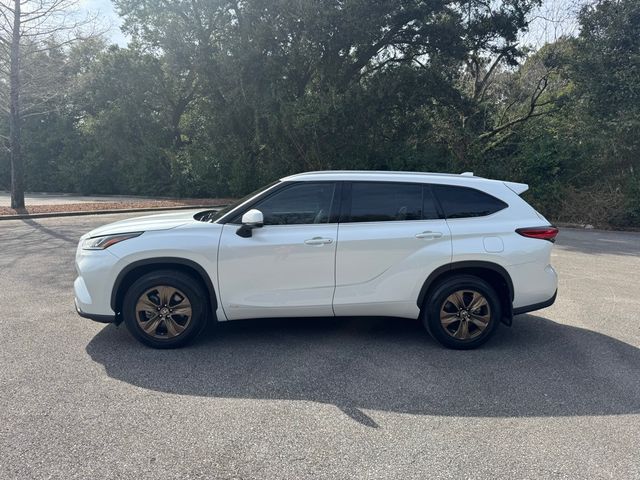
465 314
163 312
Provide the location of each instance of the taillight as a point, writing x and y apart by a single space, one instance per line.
543 233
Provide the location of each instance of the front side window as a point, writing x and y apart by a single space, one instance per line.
465 202
302 203
388 202
213 215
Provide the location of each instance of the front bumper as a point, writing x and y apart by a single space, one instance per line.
95 317
93 285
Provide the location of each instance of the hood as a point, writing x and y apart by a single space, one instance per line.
163 221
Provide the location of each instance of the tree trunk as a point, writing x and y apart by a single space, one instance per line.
17 167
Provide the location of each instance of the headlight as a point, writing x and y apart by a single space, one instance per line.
105 241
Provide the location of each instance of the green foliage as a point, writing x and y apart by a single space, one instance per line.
219 97
600 123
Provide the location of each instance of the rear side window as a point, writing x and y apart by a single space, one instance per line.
388 202
464 202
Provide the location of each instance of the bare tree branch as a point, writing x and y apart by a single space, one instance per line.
531 112
483 84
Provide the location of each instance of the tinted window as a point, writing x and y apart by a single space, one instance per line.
213 215
385 202
463 202
429 209
298 204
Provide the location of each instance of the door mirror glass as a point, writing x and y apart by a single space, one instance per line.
250 220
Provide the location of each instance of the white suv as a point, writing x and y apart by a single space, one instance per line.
460 252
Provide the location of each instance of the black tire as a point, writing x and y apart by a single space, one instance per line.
185 286
438 302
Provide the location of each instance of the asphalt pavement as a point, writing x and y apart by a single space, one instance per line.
555 396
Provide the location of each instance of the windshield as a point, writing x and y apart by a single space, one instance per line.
213 215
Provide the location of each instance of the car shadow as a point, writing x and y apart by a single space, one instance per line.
536 368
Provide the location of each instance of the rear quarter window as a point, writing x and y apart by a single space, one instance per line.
466 202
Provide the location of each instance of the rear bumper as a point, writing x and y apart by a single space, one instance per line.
534 283
95 317
536 306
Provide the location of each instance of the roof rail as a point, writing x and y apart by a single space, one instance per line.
467 174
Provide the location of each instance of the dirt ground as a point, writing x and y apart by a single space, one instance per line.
113 205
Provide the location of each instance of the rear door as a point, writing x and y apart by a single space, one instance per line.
390 238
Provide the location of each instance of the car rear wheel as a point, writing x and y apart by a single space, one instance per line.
165 309
462 312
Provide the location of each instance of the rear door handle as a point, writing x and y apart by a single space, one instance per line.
318 241
429 235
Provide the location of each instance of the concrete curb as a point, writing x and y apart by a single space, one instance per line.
99 195
105 212
582 226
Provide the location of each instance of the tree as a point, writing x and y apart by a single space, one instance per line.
29 30
125 118
605 68
268 87
499 87
216 97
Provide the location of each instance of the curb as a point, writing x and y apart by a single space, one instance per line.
100 195
588 226
105 212
581 226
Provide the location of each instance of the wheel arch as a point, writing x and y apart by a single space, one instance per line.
135 270
496 275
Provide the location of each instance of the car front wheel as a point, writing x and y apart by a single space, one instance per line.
165 309
463 312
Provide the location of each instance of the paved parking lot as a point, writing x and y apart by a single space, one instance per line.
556 396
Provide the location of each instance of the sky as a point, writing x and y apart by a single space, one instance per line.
108 16
552 20
555 18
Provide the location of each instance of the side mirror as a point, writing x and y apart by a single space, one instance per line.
250 220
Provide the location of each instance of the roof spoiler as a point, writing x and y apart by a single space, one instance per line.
518 188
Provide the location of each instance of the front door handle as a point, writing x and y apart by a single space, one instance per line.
318 241
429 235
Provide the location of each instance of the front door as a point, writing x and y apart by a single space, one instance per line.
287 267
